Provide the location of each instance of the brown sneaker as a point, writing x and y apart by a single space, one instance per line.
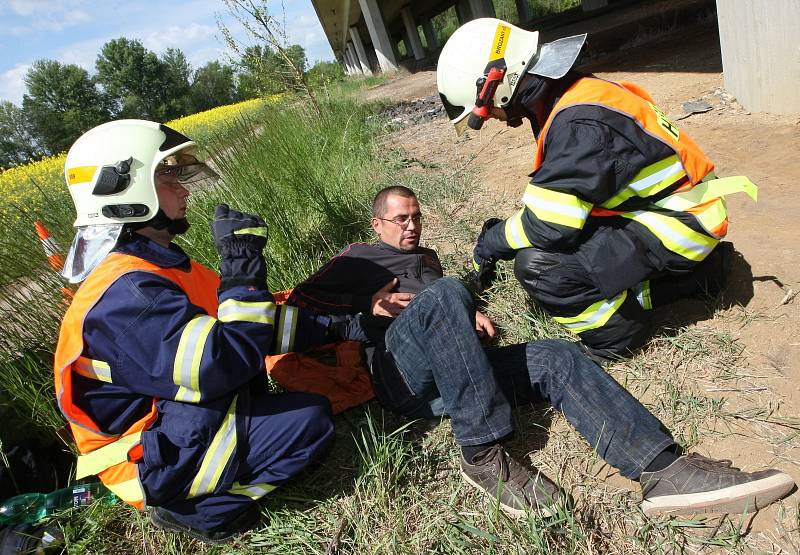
513 486
695 484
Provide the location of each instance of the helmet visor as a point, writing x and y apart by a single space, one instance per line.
556 58
187 169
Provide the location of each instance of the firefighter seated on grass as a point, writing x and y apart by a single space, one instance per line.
426 359
159 367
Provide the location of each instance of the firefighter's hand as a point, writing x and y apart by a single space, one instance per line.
240 239
483 273
232 228
386 303
482 252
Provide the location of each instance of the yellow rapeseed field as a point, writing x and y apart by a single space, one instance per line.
23 189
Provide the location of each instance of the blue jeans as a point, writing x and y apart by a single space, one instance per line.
440 367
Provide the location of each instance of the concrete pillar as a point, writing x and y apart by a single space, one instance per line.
430 33
463 13
379 35
589 5
346 63
353 58
412 33
524 11
760 56
481 8
358 44
406 43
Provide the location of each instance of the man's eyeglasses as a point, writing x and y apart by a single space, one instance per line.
403 221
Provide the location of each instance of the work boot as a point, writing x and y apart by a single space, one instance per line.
695 484
506 481
166 520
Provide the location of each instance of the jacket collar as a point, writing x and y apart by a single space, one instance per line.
166 257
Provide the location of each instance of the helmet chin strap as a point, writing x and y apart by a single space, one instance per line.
162 221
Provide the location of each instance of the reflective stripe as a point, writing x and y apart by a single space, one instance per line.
674 234
642 291
553 206
593 317
476 266
128 491
515 233
712 216
260 231
253 491
107 456
95 369
186 369
217 457
709 190
650 180
287 325
262 312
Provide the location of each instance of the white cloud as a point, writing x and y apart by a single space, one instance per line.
12 85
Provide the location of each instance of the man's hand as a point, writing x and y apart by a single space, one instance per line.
483 325
386 303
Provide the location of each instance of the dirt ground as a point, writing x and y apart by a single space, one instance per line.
762 312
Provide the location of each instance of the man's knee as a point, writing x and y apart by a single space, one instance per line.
530 263
451 291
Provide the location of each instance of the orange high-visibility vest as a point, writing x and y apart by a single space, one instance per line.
102 452
633 101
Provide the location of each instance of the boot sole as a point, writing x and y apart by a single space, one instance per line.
508 509
741 498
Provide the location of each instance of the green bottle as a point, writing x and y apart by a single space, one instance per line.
32 507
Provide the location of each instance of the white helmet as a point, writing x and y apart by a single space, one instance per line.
483 61
110 171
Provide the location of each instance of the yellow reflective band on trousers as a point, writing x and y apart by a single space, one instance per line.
287 326
186 369
515 233
91 368
706 191
650 180
105 457
129 491
674 234
642 291
555 207
262 312
253 491
596 316
217 457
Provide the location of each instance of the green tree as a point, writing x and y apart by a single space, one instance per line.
264 71
17 141
62 103
135 78
270 34
178 76
213 85
324 74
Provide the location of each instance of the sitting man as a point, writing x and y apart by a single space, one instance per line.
159 367
426 359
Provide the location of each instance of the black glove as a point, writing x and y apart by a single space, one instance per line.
484 262
240 239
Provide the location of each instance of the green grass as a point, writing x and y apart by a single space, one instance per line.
390 486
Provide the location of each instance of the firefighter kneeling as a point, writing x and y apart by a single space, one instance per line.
623 212
159 367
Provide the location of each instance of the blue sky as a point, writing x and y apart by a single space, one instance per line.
73 31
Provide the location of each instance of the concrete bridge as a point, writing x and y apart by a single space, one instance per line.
762 71
364 34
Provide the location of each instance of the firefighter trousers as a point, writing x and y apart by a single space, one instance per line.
611 327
